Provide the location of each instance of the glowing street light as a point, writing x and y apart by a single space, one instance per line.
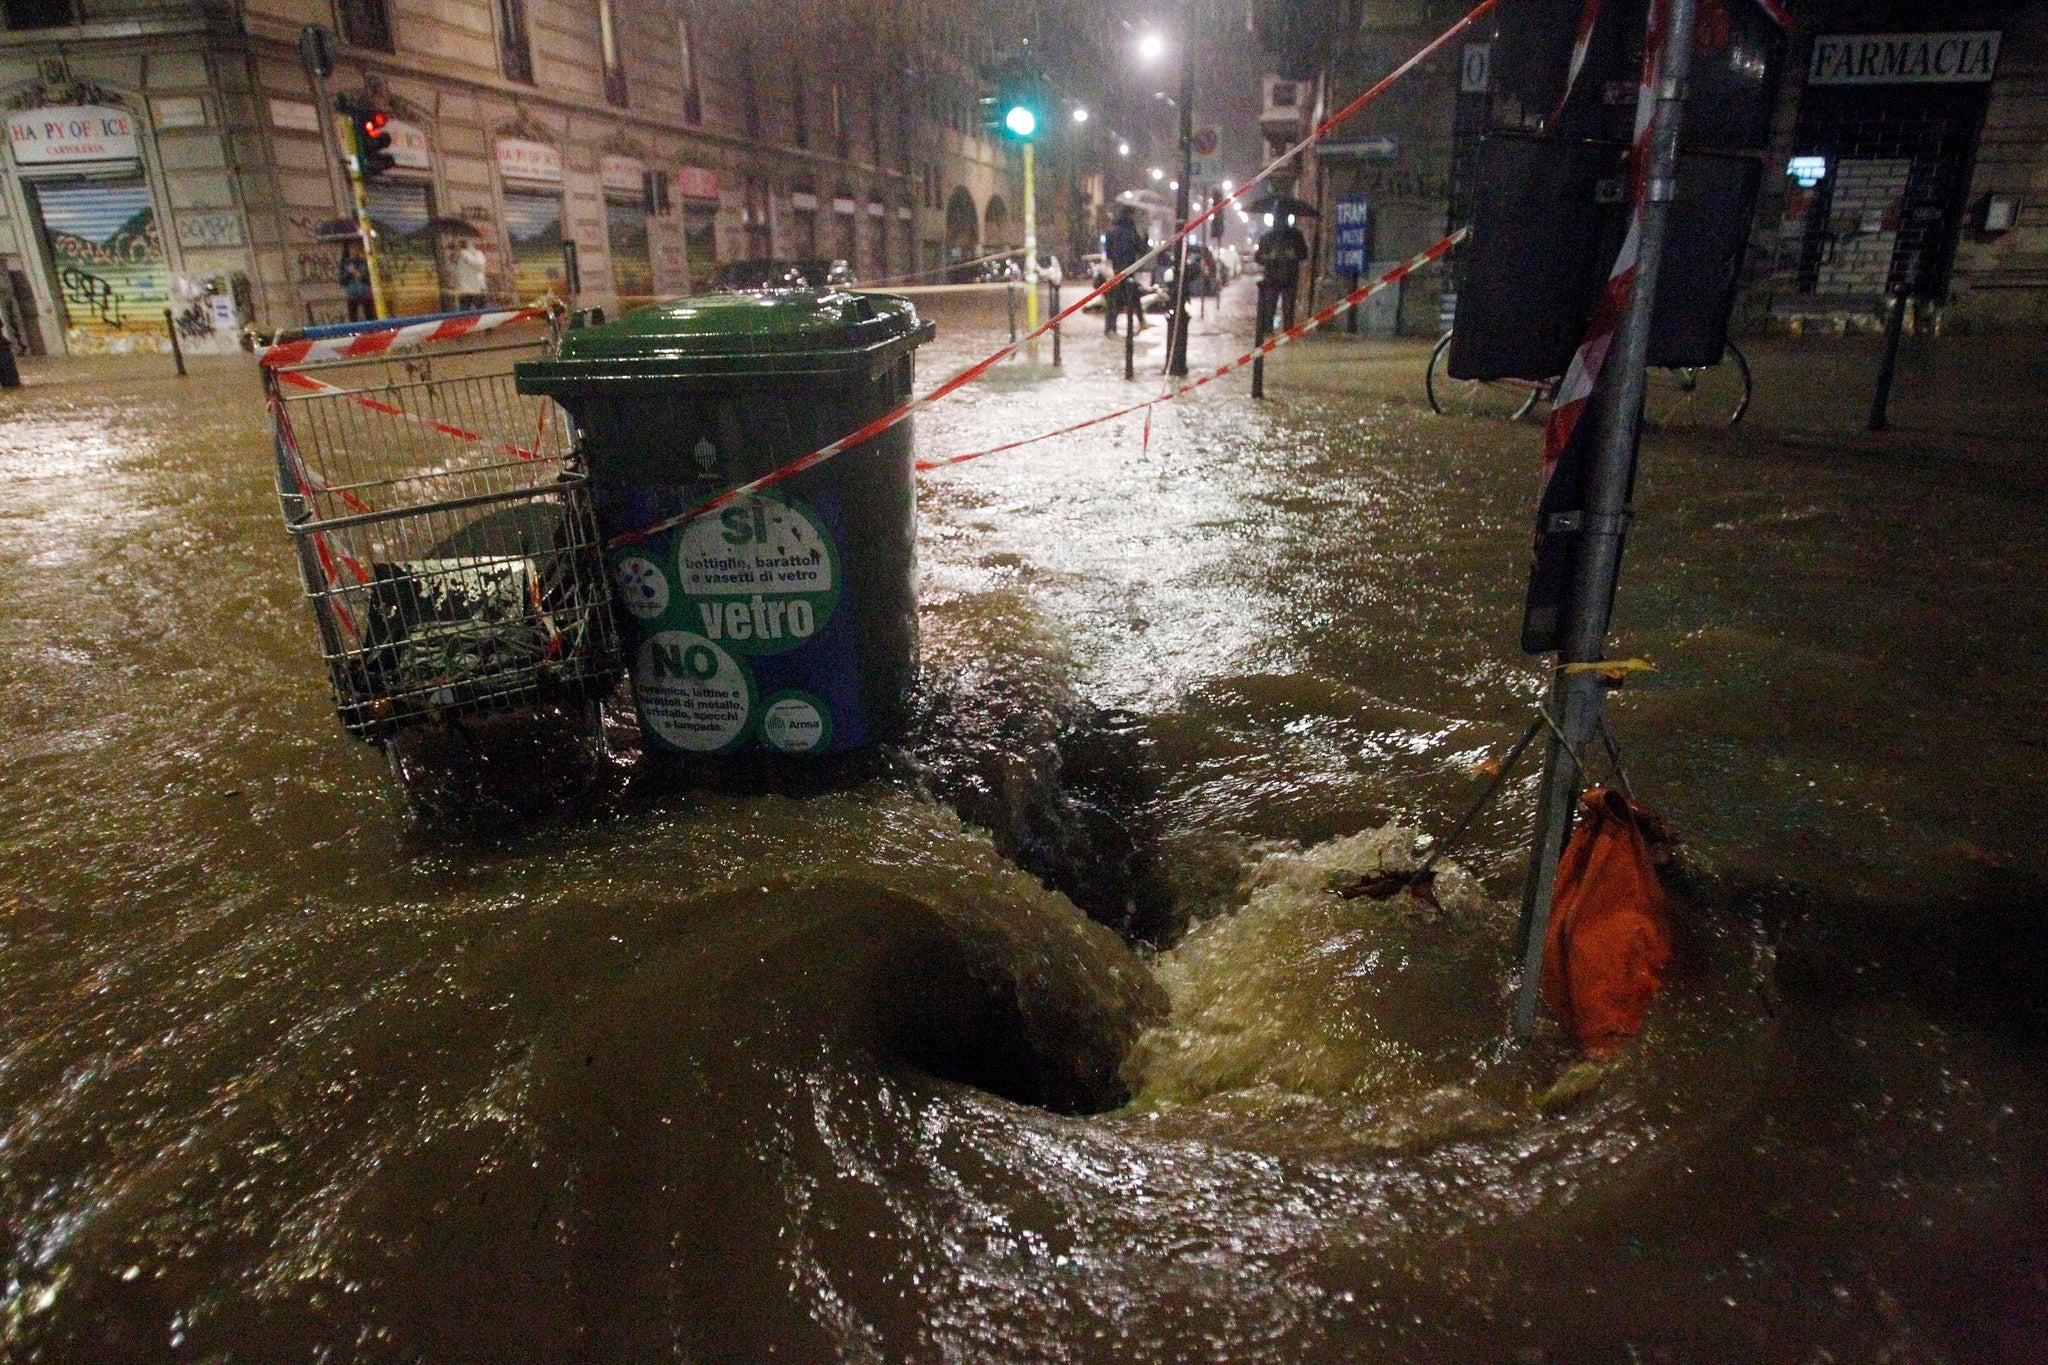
1151 47
1123 149
1080 115
1156 173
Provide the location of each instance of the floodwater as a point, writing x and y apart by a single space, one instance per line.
286 1074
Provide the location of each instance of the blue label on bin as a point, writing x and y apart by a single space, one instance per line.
755 590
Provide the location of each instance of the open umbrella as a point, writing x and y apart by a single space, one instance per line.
1281 204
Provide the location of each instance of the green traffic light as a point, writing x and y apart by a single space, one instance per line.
1021 121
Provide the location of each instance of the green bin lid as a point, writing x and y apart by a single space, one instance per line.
799 334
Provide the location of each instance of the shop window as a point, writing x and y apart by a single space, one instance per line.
41 13
693 96
608 50
364 23
408 246
515 53
540 263
632 260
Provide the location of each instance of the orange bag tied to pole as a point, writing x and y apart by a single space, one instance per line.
1610 932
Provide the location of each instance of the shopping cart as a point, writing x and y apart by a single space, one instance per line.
444 529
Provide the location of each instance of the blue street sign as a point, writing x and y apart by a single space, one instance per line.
1379 147
1352 215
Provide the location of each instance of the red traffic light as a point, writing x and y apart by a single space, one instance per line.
374 121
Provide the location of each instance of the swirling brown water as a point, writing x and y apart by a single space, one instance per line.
283 1081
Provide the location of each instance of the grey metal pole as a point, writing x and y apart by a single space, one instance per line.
177 349
1053 297
1576 699
1258 340
1895 326
1177 362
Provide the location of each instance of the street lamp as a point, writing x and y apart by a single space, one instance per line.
1151 47
1080 114
1123 149
1156 173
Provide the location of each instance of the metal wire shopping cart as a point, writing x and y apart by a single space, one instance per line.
444 531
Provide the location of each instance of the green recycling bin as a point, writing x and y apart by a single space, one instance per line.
786 621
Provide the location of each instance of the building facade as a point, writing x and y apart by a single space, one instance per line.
1902 149
171 156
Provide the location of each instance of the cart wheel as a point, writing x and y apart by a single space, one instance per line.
1510 399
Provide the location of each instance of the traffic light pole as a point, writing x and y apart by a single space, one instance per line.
1030 247
1177 363
1577 699
364 227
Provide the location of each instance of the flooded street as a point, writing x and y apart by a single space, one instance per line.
286 1075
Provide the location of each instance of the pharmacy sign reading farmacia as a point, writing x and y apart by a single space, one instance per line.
1903 58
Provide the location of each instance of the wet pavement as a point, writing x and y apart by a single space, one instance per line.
287 1075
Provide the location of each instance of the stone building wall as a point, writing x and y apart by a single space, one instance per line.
239 177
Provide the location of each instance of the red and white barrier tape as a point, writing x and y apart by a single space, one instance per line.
1582 38
1265 348
1573 391
982 367
321 386
310 483
360 345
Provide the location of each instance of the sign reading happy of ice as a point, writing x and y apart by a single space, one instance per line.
72 132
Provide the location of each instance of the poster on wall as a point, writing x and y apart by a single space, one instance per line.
534 223
406 260
107 254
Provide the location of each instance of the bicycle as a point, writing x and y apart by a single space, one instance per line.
1706 397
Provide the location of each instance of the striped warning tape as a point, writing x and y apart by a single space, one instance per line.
374 342
1271 344
1568 405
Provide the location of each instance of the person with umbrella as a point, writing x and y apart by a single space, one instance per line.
1126 244
1280 254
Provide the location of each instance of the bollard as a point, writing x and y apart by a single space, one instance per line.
1259 339
1010 307
10 373
1880 401
1053 291
177 351
1130 344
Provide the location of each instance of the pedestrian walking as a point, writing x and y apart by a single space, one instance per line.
1126 246
1280 254
470 276
355 284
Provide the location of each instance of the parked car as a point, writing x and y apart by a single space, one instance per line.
740 277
